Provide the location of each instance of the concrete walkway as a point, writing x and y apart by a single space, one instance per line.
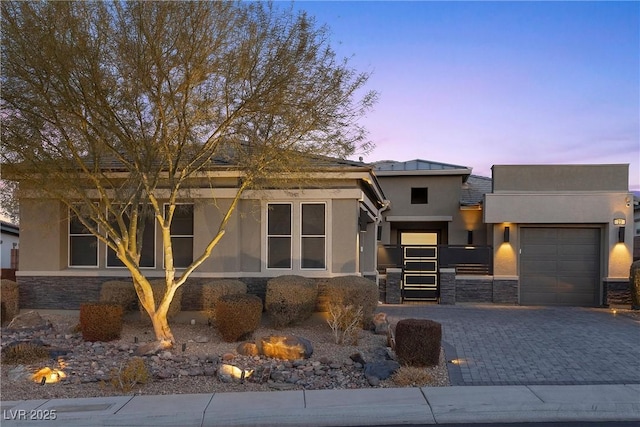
429 405
513 345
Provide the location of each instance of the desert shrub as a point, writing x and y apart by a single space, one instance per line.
127 375
411 376
418 342
212 291
345 323
634 284
159 287
290 299
350 290
119 292
100 321
238 315
24 353
10 299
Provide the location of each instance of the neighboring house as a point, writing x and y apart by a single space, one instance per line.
9 242
562 234
325 230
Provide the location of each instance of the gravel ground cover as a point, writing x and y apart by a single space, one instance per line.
191 366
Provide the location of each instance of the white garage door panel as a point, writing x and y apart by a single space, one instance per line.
560 266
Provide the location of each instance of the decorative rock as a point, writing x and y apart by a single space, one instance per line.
230 373
381 370
248 349
380 324
148 349
357 357
201 339
31 320
228 356
287 347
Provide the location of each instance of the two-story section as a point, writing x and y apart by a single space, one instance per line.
435 212
562 234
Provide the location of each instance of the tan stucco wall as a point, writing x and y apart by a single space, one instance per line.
443 194
207 217
344 248
560 178
42 238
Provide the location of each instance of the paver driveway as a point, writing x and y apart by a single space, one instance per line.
499 345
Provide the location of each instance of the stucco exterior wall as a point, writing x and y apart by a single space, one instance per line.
443 194
42 238
560 178
344 248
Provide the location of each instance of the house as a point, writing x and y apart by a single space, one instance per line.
9 242
324 229
425 231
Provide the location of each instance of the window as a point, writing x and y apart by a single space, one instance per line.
312 239
279 235
419 195
83 246
308 238
147 253
182 235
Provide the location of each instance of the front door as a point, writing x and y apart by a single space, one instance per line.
419 266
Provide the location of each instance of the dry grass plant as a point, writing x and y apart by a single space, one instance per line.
411 376
345 322
126 376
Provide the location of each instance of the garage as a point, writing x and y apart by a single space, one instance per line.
560 266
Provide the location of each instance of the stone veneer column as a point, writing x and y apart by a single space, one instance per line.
447 286
505 291
394 292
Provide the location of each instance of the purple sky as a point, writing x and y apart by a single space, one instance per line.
483 83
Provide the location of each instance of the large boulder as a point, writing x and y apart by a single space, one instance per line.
286 347
31 320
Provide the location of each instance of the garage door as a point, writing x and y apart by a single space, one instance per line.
560 266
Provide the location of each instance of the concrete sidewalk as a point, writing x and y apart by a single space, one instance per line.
428 405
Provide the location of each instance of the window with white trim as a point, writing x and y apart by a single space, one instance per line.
148 250
279 238
307 239
313 236
83 245
182 235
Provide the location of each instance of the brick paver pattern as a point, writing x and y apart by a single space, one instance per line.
505 345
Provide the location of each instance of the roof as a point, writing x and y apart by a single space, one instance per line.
418 167
8 228
474 189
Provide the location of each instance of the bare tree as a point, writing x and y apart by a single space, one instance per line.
113 107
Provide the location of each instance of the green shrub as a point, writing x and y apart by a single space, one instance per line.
634 285
159 287
9 294
418 342
24 353
126 376
238 315
350 290
119 292
100 321
212 291
290 299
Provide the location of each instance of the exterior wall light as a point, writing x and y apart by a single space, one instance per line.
470 237
621 235
506 234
